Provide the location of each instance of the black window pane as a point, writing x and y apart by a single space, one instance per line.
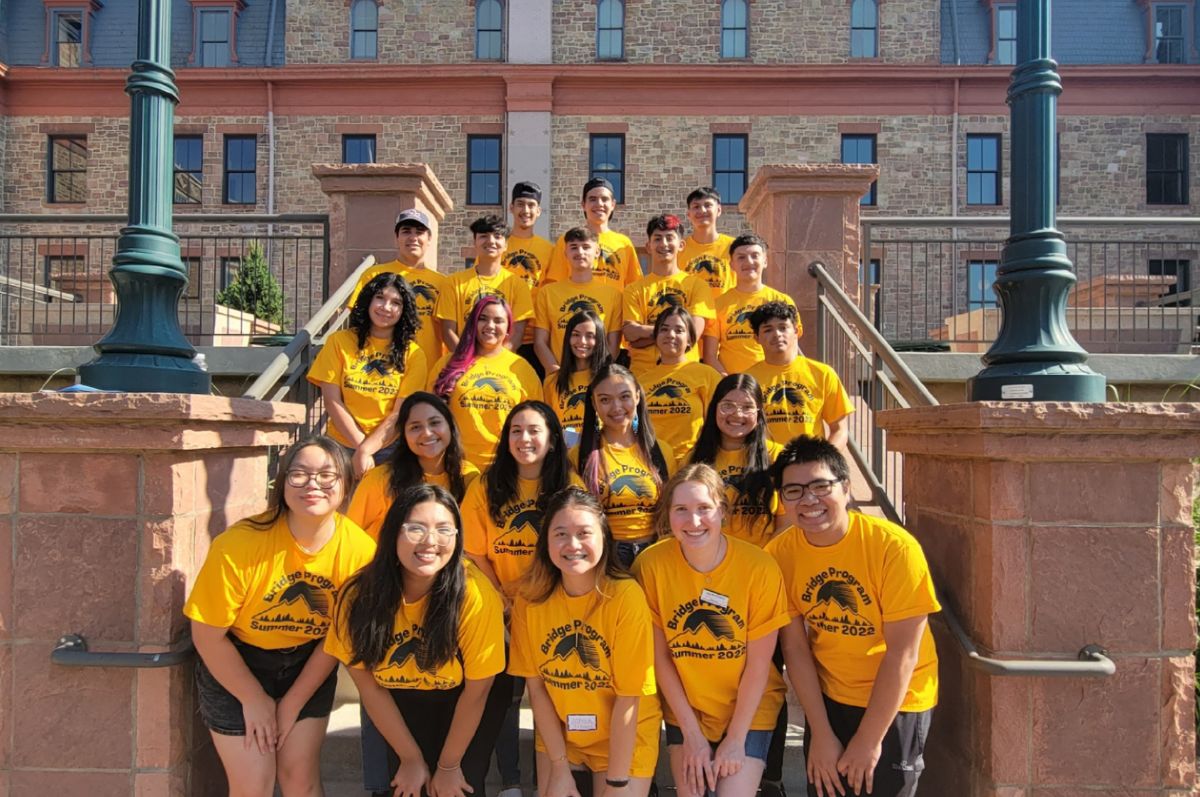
1167 168
358 149
483 170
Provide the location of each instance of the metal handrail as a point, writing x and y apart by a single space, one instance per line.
1000 221
72 651
110 218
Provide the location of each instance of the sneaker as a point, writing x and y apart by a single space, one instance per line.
771 788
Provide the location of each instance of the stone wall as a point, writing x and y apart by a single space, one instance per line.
426 32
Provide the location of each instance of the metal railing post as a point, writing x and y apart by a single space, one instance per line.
877 402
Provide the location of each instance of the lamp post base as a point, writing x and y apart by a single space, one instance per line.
145 373
1037 382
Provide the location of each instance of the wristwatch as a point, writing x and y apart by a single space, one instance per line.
617 784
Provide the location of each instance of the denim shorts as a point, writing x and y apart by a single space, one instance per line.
757 742
628 550
276 671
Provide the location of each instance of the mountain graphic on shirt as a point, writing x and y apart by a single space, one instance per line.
580 305
634 485
667 390
703 264
707 631
301 603
669 299
492 383
837 603
520 261
407 651
576 658
743 316
522 530
425 292
576 399
785 394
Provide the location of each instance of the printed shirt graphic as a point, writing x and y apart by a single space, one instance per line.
753 523
677 397
738 350
708 642
800 398
589 650
527 258
617 264
426 285
271 594
370 384
483 397
709 262
372 498
555 303
645 299
628 491
480 642
845 592
467 287
568 408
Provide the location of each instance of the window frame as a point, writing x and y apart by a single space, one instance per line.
999 42
744 30
619 30
52 197
226 171
197 173
348 138
201 42
871 198
473 170
373 5
987 297
619 184
56 15
998 173
497 33
1182 175
729 196
1181 40
873 5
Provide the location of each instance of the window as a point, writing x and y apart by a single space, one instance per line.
68 38
868 280
489 30
241 155
610 30
66 166
214 38
228 271
734 29
1168 34
1006 34
981 275
358 149
483 170
57 268
364 29
189 169
606 158
983 169
1180 269
1166 169
193 265
730 166
864 29
860 148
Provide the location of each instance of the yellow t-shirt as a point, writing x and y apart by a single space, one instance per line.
645 299
709 262
426 285
373 498
480 641
484 395
752 523
677 397
467 287
738 350
846 592
528 258
269 592
555 303
588 650
628 491
370 384
800 398
569 408
709 620
617 264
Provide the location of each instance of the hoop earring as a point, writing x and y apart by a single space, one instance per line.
635 423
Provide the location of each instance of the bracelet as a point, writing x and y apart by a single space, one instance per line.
448 769
616 784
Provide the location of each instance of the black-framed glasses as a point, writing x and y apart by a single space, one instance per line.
817 487
324 478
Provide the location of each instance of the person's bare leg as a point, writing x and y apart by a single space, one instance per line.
249 772
299 762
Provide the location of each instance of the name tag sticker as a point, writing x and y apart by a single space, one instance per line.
714 598
581 722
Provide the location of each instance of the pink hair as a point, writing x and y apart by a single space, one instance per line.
465 353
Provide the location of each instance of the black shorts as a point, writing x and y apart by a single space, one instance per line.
902 758
276 670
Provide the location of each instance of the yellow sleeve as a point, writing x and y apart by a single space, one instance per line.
369 503
520 662
780 549
522 301
328 365
541 310
447 303
768 605
434 373
615 315
702 302
556 271
475 519
337 640
220 588
907 589
669 455
481 630
525 374
645 579
416 373
633 646
631 305
633 267
837 404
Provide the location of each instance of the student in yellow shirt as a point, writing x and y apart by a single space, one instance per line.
587 352
618 261
729 343
717 605
527 254
706 252
423 638
581 636
259 609
621 461
488 278
430 452
666 284
802 396
858 648
414 247
557 302
482 380
677 391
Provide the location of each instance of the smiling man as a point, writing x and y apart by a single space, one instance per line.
617 262
706 251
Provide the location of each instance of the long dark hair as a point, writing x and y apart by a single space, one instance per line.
542 577
371 598
406 466
405 329
670 311
591 458
465 352
601 356
753 486
500 481
276 505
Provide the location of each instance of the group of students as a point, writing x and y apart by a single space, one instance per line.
628 544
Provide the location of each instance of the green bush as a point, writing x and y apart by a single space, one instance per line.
254 290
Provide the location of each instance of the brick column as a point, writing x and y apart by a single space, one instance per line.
1051 526
364 200
107 506
808 212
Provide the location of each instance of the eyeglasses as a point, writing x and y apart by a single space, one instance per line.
324 478
415 532
733 408
818 488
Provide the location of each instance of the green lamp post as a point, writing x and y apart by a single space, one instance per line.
1034 358
146 351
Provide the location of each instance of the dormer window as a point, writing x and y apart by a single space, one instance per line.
214 32
68 29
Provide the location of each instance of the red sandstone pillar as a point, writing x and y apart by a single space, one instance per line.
808 212
364 200
107 506
1052 526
